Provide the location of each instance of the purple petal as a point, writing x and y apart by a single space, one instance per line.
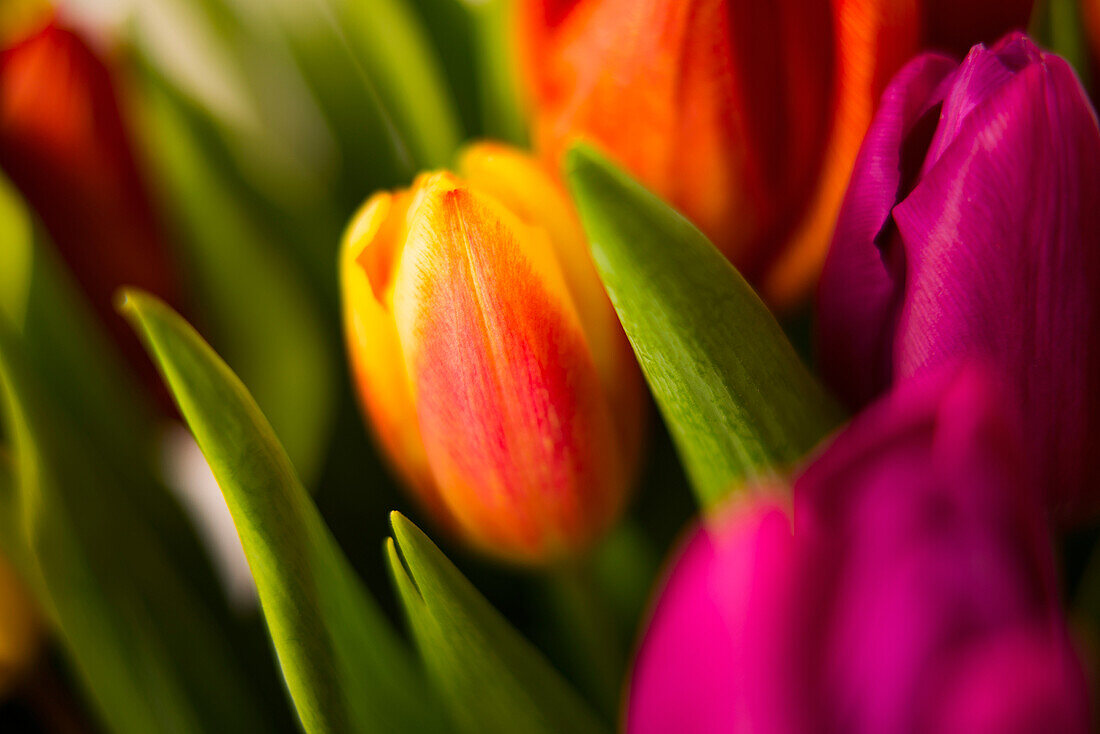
916 537
859 290
918 561
1002 255
981 74
1026 681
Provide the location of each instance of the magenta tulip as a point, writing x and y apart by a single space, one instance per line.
691 673
914 594
971 228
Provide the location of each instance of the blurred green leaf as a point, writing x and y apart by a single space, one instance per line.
258 309
225 63
1060 26
150 652
502 112
16 253
85 378
10 540
492 679
737 400
477 41
402 67
346 669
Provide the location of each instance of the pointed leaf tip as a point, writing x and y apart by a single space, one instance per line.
735 395
344 666
492 679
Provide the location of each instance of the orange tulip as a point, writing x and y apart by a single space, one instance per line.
65 146
488 357
20 628
746 115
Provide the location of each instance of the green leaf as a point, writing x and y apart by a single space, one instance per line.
75 364
16 253
492 679
737 400
222 59
402 66
10 535
498 64
149 650
346 669
477 41
1060 26
58 330
256 304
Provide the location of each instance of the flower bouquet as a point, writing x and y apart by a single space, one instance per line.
549 366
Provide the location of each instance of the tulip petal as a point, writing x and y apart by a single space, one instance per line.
874 39
523 185
1024 681
371 248
721 107
1002 260
859 283
66 145
510 406
919 569
692 672
919 537
979 77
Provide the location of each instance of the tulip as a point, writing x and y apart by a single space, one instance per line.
745 115
64 145
972 229
488 358
20 628
911 594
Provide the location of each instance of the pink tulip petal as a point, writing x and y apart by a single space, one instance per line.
693 671
1027 681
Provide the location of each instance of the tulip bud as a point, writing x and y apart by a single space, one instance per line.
745 115
488 358
909 589
64 145
972 229
20 628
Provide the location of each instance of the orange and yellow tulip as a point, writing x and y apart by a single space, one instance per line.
488 357
745 115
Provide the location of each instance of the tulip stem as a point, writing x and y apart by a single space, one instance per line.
598 601
596 648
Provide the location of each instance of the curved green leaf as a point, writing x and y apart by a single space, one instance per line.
737 400
492 679
16 254
402 66
477 41
85 443
152 655
245 85
346 669
256 304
